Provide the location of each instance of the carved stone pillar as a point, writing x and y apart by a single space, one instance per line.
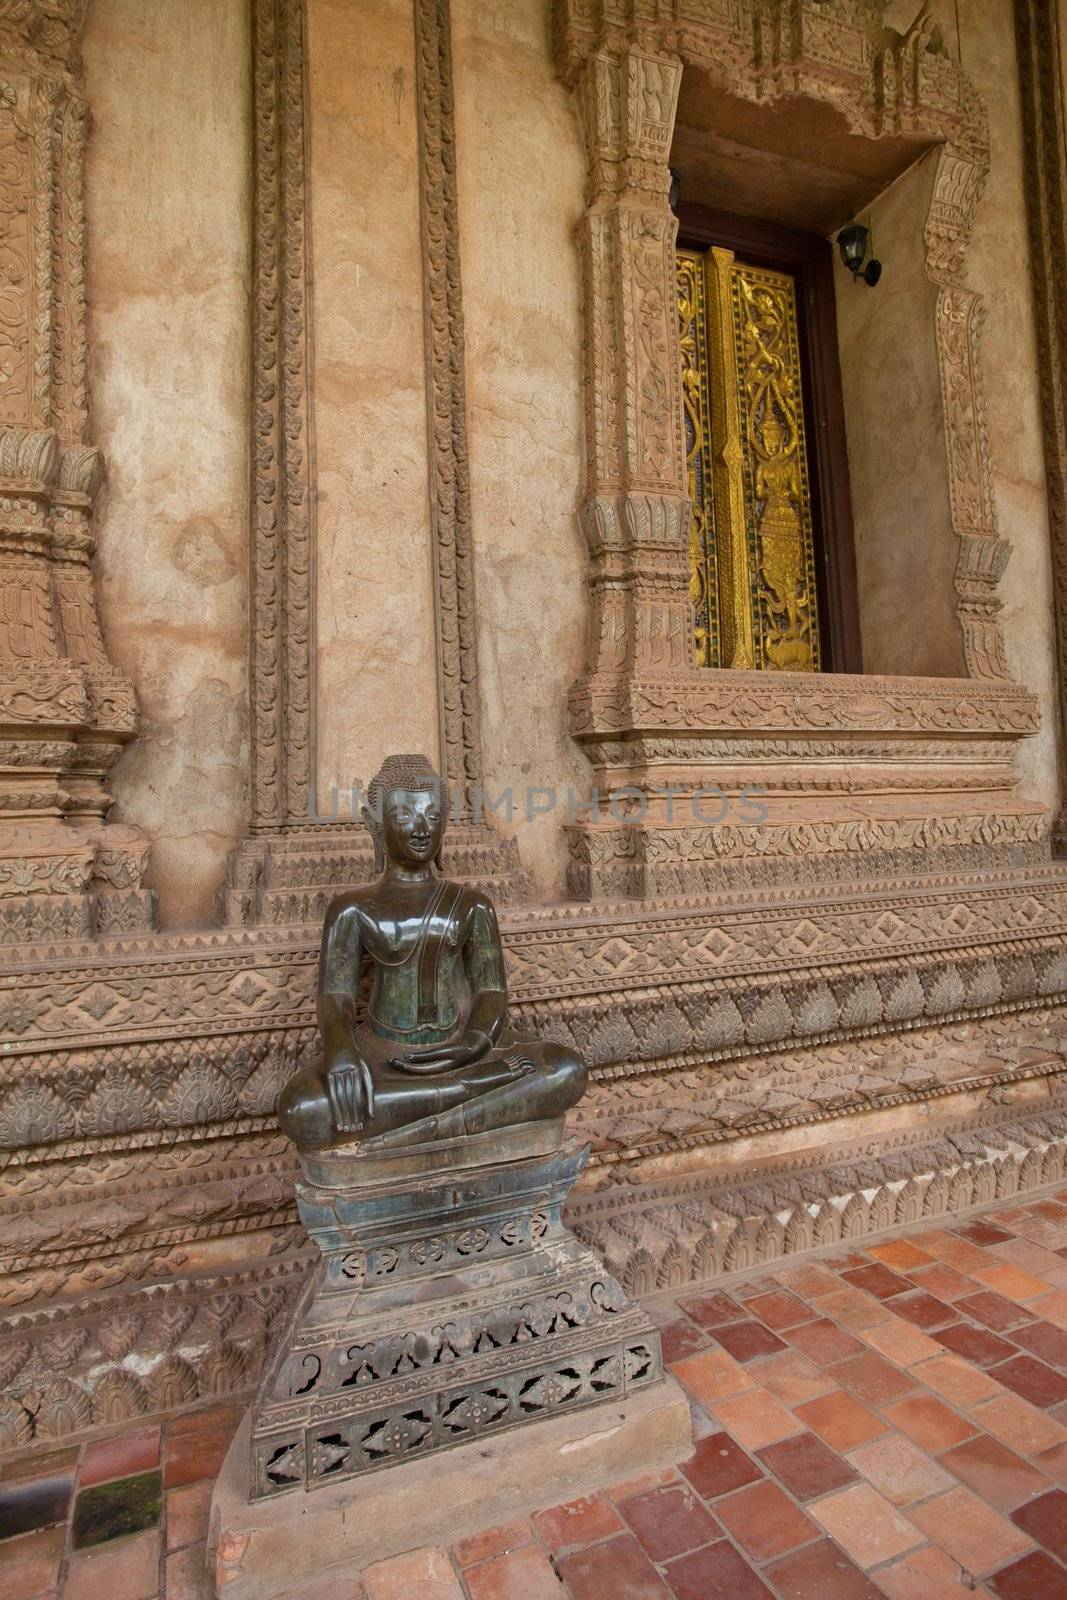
636 513
65 712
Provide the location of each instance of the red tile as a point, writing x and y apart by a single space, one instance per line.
823 1342
792 1378
755 1418
1035 1577
426 1572
820 1572
806 1465
841 1420
872 1379
494 1541
923 1310
901 1343
120 1457
196 1445
944 1282
124 1569
50 1464
899 1470
617 1568
29 1563
878 1280
524 1574
956 1380
1045 1520
930 1423
995 1472
718 1465
764 1521
1045 1340
188 1509
992 1309
1020 1425
1041 1385
979 1232
975 1344
808 1281
1054 1462
980 1539
853 1308
1010 1281
900 1253
576 1523
711 1310
747 1340
779 1309
682 1338
185 1580
712 1375
869 1528
669 1522
926 1574
718 1572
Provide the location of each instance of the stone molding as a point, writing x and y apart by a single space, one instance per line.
624 65
450 499
68 713
89 1362
1044 112
287 869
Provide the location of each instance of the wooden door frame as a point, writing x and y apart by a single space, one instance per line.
808 259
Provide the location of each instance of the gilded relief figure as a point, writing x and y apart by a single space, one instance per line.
781 566
431 1057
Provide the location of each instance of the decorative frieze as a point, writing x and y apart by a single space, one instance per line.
66 712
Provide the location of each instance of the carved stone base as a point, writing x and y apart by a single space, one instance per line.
446 1306
290 875
261 1548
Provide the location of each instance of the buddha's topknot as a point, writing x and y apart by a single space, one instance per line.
414 773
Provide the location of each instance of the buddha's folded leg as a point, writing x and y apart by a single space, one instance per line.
304 1111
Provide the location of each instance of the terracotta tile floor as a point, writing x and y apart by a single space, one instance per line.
885 1421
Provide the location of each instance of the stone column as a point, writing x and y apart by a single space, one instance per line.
636 511
65 712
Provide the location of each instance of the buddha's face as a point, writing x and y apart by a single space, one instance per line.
412 825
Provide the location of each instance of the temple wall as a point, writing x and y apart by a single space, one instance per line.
999 268
520 175
377 674
168 280
891 379
168 271
905 548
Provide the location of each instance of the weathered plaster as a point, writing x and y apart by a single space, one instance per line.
520 184
376 665
168 261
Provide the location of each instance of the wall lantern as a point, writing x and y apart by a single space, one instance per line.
852 243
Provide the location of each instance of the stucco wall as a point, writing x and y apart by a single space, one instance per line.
999 267
521 169
168 256
376 663
898 470
904 547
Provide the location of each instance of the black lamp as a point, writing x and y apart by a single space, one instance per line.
852 243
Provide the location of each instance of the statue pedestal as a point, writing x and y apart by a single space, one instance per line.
451 1312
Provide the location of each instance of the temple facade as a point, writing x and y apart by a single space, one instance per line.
510 381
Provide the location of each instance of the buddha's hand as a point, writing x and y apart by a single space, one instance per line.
444 1057
347 1096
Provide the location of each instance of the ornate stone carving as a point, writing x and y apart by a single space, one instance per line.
288 868
1038 31
624 65
64 872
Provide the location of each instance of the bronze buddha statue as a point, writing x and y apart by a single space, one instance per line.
433 1058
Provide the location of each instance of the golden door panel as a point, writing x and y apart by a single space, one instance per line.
751 539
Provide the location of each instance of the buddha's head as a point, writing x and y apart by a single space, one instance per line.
405 813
